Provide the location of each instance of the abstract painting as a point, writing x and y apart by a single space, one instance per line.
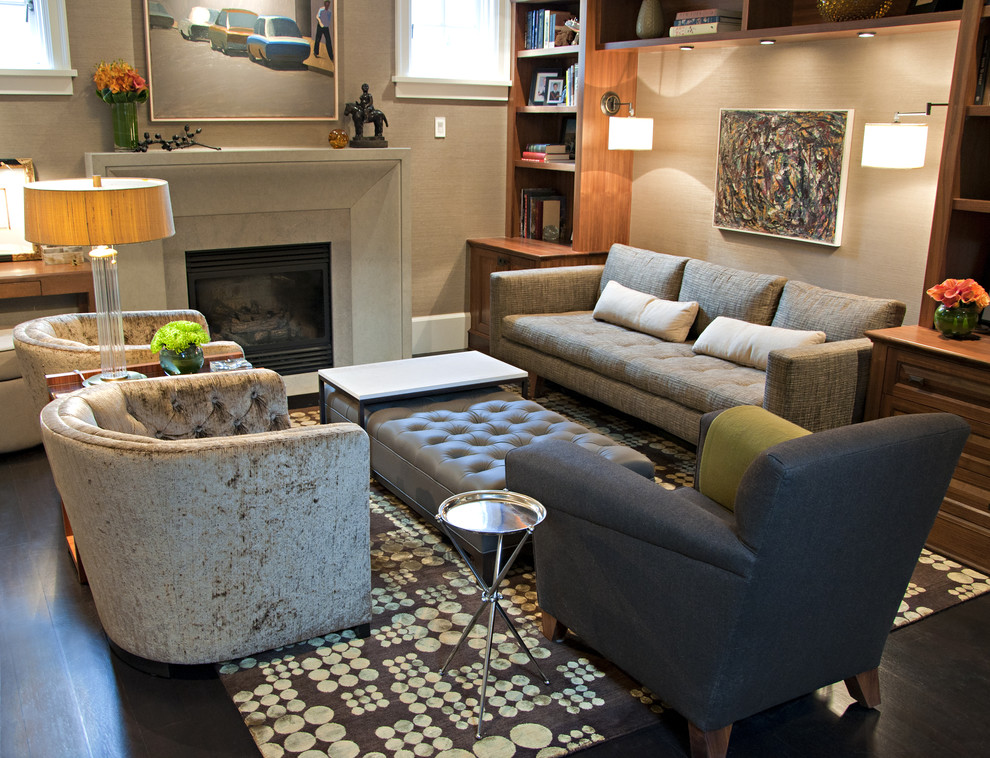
783 173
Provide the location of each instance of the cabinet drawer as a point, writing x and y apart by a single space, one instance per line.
942 385
20 289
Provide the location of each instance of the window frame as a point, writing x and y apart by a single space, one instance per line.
58 78
449 89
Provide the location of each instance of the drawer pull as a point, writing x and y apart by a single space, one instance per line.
503 261
917 381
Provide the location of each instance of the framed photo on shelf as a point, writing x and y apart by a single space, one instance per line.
14 174
568 132
242 65
538 88
555 91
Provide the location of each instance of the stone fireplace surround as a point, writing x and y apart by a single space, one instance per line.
358 200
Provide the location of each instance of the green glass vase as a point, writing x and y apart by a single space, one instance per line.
125 129
957 322
189 361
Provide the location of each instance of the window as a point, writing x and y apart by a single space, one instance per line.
34 56
452 49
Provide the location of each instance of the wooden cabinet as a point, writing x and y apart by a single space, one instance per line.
498 254
960 241
915 370
36 278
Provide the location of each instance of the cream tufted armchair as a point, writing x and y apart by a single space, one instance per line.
209 529
57 344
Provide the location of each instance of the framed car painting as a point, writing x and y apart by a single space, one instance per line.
266 60
782 173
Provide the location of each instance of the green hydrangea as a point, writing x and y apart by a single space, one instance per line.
178 335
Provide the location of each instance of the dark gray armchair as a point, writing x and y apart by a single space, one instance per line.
724 614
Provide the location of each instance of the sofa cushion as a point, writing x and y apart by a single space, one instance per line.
750 344
655 274
722 291
732 442
841 315
668 369
667 319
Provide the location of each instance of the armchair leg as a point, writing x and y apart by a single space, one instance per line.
865 688
534 386
713 744
552 629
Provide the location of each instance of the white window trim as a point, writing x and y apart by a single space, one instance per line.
442 89
56 80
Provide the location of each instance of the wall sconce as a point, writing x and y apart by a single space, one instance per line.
897 145
626 133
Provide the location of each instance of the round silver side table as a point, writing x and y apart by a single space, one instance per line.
495 512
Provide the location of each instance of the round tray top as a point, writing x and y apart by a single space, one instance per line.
491 512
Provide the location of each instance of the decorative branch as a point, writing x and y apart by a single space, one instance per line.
178 142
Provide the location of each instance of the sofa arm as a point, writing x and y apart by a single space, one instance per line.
819 386
567 479
545 290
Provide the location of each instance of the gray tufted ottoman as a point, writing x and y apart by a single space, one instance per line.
428 448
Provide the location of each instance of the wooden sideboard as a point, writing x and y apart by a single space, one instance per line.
37 278
510 254
916 370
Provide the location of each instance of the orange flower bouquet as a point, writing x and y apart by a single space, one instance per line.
119 82
959 304
952 292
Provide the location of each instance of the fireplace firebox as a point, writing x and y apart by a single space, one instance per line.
273 301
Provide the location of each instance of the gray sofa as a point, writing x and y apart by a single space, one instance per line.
541 321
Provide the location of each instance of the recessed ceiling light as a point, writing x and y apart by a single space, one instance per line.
867 34
768 41
687 47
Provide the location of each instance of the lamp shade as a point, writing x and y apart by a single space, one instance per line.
630 133
895 145
101 211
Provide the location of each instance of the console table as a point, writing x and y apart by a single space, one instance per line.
37 278
916 370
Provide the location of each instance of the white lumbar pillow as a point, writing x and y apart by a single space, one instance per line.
667 319
749 344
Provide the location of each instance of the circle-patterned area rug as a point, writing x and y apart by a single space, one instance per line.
383 696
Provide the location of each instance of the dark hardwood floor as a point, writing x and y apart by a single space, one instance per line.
62 693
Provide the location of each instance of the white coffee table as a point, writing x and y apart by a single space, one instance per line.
414 377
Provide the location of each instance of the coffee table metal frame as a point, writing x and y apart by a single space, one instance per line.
495 512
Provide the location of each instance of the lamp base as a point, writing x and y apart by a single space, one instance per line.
99 378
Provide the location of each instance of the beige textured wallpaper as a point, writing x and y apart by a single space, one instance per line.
459 181
887 213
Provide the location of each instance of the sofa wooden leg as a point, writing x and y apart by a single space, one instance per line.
534 386
552 629
713 744
865 688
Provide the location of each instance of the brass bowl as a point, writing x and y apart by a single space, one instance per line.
853 10
338 139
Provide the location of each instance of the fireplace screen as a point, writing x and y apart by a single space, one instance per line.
273 301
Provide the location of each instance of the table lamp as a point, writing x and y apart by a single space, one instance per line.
100 213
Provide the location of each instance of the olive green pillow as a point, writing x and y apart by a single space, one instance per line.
734 439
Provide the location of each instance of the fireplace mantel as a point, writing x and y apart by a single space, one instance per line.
358 200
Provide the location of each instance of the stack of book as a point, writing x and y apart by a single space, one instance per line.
542 27
542 152
542 214
706 21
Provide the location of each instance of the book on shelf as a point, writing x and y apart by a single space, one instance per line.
547 147
542 27
706 12
692 30
705 20
981 71
539 206
529 155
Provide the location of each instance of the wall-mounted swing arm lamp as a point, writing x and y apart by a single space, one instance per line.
897 145
626 133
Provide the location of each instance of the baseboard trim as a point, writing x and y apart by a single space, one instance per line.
442 333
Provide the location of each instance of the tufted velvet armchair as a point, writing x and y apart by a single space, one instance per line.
58 344
210 529
726 613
